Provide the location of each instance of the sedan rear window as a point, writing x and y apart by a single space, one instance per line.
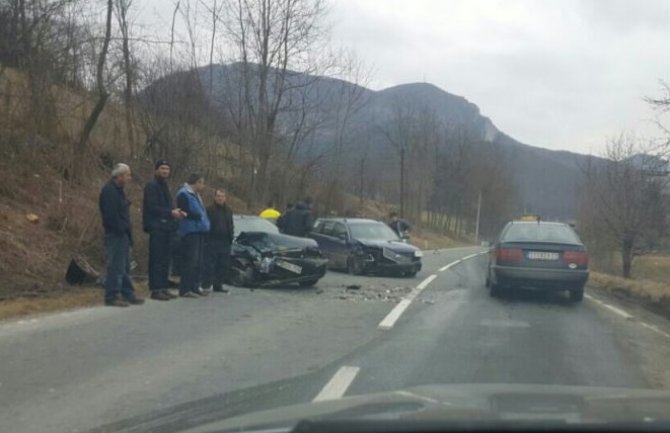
554 233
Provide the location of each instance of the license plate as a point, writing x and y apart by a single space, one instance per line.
289 267
541 255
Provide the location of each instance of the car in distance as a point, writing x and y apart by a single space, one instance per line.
363 246
540 255
261 256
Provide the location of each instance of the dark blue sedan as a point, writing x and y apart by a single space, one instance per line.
365 246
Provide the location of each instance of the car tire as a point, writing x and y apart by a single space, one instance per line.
309 283
354 267
411 274
576 295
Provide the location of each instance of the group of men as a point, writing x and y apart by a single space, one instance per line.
204 236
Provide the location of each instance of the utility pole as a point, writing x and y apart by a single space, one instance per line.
402 181
479 212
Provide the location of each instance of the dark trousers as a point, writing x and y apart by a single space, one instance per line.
117 276
191 253
159 259
217 263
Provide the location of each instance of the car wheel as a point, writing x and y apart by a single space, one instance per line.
577 295
309 283
243 277
354 267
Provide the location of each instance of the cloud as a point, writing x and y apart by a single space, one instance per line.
559 74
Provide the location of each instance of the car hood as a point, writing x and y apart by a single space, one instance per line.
496 404
397 246
274 242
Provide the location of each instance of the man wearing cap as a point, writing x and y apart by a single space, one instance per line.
160 219
115 213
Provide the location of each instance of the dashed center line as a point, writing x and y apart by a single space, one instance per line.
392 317
338 384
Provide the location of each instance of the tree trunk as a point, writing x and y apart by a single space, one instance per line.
82 144
626 258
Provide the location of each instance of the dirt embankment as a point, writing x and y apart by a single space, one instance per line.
653 295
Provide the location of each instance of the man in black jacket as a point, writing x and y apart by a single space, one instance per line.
218 244
159 218
299 220
114 209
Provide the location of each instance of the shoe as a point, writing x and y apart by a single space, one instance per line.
221 289
159 295
117 303
169 294
135 301
200 292
189 295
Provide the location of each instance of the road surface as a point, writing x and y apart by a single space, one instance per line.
167 366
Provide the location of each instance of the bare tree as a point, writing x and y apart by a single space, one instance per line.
623 203
121 9
82 144
270 37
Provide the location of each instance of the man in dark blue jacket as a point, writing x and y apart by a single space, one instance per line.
192 230
218 242
114 209
160 218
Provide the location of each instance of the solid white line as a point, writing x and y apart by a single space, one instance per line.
396 312
338 384
613 309
469 257
655 329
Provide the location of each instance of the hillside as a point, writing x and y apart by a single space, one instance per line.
546 180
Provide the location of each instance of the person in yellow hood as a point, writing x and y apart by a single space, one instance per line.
270 213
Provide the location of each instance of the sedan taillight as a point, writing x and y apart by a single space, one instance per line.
509 255
579 258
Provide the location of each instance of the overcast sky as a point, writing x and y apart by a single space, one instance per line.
560 74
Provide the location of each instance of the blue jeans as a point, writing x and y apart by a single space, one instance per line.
117 277
192 249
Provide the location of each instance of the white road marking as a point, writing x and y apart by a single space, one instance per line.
423 284
655 329
394 315
627 315
338 384
613 309
444 268
504 323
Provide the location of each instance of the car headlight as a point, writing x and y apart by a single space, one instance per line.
418 253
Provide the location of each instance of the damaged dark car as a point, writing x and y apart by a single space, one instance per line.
263 257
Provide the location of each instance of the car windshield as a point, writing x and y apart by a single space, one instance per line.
532 232
253 224
372 231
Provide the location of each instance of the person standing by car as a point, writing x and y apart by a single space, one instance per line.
192 230
114 209
160 220
281 221
399 225
298 221
270 213
218 244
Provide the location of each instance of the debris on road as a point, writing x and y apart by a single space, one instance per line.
31 217
319 291
353 287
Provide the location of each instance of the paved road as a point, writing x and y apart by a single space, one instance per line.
167 366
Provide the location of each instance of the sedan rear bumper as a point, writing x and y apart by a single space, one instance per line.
539 277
